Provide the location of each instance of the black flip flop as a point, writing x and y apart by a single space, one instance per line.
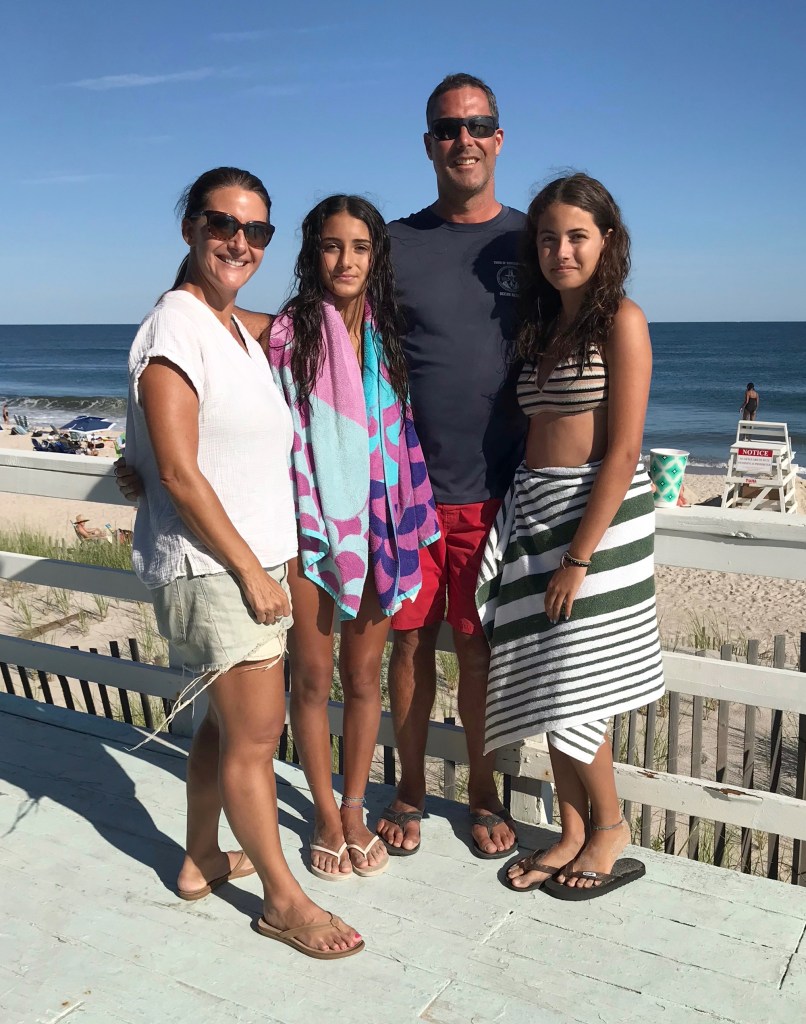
489 821
534 865
624 871
401 819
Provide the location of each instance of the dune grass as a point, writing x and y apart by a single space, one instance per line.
26 542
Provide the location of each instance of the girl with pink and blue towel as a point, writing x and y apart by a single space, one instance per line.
364 505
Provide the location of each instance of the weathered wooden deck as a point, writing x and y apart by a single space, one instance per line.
90 840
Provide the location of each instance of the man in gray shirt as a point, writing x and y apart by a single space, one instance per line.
456 271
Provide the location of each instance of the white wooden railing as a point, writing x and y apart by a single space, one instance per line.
764 544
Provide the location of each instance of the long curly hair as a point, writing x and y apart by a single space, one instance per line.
540 302
305 307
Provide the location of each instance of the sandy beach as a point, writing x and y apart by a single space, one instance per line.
728 605
53 517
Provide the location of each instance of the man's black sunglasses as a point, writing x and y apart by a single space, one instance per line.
223 227
444 129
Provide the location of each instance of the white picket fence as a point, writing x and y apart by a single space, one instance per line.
764 544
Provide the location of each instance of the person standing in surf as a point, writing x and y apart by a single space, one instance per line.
749 406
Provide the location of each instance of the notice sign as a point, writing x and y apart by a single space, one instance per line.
754 460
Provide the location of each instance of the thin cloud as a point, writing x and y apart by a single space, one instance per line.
278 91
152 140
64 179
136 81
273 90
256 34
250 35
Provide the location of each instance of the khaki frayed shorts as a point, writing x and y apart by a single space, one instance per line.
211 625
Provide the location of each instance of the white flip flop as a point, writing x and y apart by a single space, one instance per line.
331 876
369 872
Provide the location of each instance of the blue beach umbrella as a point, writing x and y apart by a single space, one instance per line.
88 424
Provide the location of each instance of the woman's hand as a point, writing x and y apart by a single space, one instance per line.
562 590
129 483
266 597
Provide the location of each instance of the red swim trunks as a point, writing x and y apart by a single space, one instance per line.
450 568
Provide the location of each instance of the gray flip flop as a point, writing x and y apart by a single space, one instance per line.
401 819
489 821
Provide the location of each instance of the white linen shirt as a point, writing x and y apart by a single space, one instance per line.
245 438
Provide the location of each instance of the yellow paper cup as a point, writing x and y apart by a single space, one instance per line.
667 467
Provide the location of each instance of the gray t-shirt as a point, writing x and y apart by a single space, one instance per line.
457 288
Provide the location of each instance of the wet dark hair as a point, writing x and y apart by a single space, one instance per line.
460 81
195 197
540 302
305 307
751 387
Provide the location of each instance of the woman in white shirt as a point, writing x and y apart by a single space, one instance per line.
210 436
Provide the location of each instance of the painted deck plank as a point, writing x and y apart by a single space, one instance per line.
743 1000
794 983
90 840
460 1003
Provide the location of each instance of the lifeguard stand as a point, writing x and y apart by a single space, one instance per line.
761 469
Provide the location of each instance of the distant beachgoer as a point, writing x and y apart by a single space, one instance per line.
87 532
566 590
212 537
6 418
749 406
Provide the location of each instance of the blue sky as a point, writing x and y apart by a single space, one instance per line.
691 113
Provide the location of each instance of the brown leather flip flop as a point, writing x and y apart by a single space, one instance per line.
289 937
534 863
237 871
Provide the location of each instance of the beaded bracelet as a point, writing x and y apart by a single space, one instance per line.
568 561
352 801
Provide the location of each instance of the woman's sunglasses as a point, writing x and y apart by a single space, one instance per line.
223 227
444 129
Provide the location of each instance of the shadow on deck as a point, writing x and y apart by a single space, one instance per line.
90 841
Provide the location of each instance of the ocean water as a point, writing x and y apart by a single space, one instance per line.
698 381
51 373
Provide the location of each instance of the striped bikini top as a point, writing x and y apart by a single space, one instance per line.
565 391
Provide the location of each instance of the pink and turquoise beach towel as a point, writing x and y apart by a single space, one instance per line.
363 495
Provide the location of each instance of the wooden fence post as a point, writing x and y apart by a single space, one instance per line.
670 826
776 749
531 798
749 761
449 769
799 846
723 715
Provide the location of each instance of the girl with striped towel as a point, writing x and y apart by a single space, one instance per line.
566 589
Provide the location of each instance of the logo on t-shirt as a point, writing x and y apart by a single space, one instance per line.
507 278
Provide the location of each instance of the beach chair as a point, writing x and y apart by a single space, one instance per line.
93 535
761 469
120 535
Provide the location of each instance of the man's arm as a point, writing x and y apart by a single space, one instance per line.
258 324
